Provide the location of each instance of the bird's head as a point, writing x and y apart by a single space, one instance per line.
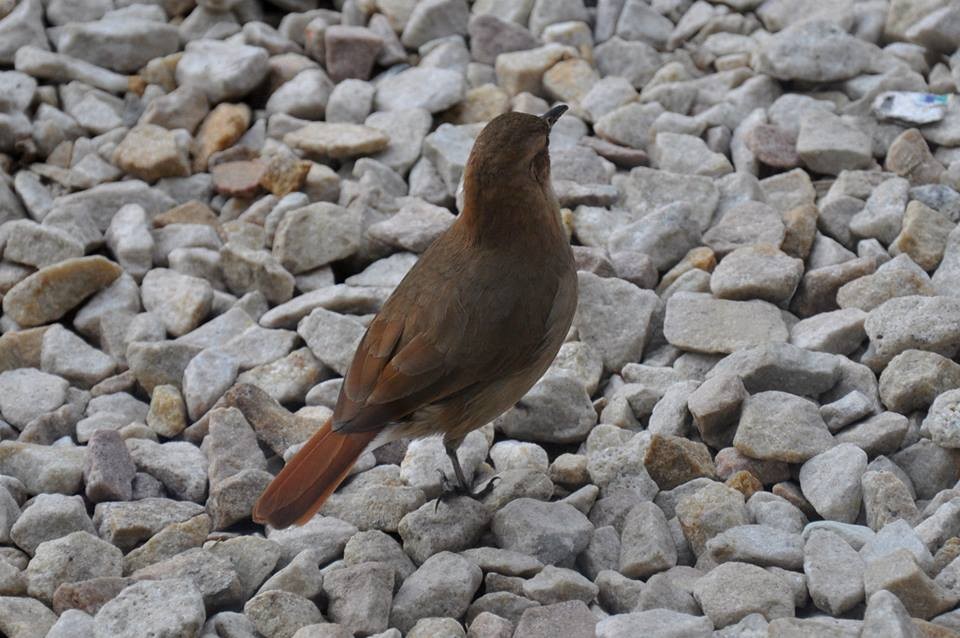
513 147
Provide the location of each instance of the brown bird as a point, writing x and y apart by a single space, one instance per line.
472 326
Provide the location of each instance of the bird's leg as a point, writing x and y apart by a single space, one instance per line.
449 489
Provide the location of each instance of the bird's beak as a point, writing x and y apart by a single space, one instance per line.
551 116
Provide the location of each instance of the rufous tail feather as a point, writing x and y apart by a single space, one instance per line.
307 481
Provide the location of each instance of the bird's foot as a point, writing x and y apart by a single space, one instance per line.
453 489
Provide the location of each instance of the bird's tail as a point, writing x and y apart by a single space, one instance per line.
311 476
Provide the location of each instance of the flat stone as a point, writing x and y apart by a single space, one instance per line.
914 378
43 468
152 152
647 546
442 587
179 465
109 470
551 397
51 292
158 607
404 90
683 328
779 426
337 140
827 144
239 68
831 482
172 540
900 575
552 532
280 614
74 557
360 596
732 591
817 51
522 71
782 367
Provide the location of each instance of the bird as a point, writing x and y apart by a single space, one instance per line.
464 335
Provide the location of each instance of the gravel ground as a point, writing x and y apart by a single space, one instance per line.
752 430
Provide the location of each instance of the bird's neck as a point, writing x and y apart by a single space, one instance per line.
511 212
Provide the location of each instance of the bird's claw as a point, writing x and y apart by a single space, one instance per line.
450 489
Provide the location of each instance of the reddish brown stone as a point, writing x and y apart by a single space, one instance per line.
772 146
89 595
238 179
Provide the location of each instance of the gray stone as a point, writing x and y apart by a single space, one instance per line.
900 575
882 216
554 399
427 531
757 272
154 607
756 322
323 534
837 332
879 434
708 511
830 481
27 393
43 468
834 572
942 422
647 190
239 68
552 532
745 224
647 546
731 591
279 614
782 367
886 499
783 427
403 90
914 378
442 587
49 517
925 323
180 466
75 557
886 616
816 51
827 144
758 545
665 236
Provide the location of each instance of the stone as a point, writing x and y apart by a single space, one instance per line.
172 540
553 398
552 532
914 378
830 481
360 596
414 227
238 179
683 328
179 465
942 422
51 292
159 363
129 238
757 272
900 575
31 244
49 517
842 412
491 35
27 393
153 607
42 468
781 367
220 129
758 545
205 379
279 614
180 301
827 144
403 90
923 235
910 157
152 152
304 96
75 557
886 499
109 470
708 511
882 216
442 587
817 292
168 413
673 460
834 572
222 70
733 590
65 354
665 236
779 426
24 617
885 615
745 224
646 546
523 71
663 622
571 618
246 270
127 524
931 328
815 50
837 331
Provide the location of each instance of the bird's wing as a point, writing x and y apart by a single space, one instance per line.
427 345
